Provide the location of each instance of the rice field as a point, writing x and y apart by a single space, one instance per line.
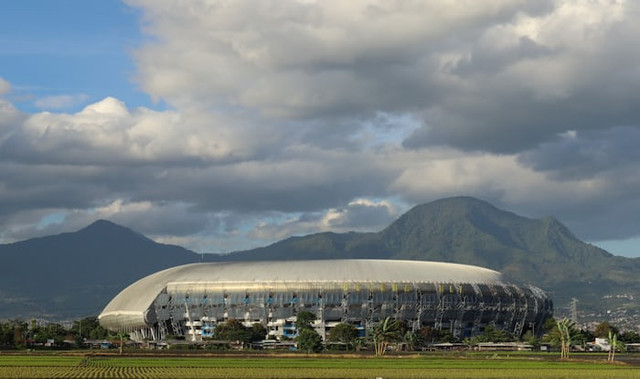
417 366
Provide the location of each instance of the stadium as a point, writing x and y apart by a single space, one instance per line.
191 300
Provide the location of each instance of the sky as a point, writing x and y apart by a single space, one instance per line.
226 125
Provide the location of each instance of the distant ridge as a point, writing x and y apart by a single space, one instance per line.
104 229
76 274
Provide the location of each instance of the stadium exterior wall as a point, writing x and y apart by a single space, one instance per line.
191 300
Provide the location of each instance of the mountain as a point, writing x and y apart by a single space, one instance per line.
543 252
76 274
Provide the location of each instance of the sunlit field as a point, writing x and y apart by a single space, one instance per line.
321 366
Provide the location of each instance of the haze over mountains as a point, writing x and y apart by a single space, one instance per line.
76 274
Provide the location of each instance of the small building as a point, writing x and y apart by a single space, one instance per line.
503 346
600 344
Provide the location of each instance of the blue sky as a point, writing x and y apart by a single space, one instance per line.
221 126
69 48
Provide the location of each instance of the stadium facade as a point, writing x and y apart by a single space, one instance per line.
191 300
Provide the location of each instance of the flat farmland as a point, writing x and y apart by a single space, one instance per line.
301 366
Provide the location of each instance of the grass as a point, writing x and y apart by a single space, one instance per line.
415 366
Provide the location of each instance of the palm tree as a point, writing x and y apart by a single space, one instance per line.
615 344
562 335
411 338
384 333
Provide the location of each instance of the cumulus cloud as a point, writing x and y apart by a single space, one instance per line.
498 76
295 117
306 59
108 132
364 215
361 214
525 81
5 87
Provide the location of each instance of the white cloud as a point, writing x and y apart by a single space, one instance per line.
498 178
483 76
295 117
107 132
61 101
360 215
292 59
5 87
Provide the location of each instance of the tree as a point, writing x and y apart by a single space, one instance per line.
615 345
582 337
428 334
309 340
446 336
412 339
344 333
384 333
55 332
13 333
258 332
491 334
119 338
531 339
549 325
232 330
604 329
304 319
89 328
630 337
359 342
565 327
6 335
18 330
563 336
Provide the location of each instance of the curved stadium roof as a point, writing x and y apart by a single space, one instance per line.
133 302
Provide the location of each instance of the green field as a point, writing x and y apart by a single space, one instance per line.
273 366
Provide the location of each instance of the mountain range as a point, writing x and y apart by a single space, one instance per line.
76 274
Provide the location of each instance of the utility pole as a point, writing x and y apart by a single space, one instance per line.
574 310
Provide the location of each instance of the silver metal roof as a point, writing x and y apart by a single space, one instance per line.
133 301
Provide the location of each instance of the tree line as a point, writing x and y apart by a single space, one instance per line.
381 336
29 334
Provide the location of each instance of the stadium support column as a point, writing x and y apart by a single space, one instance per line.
521 311
479 311
461 309
511 307
268 310
394 299
174 310
495 307
369 322
153 332
417 324
321 317
440 307
190 322
345 304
